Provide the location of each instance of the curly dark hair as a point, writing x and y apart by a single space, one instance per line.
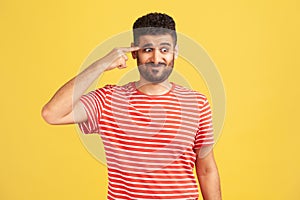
154 24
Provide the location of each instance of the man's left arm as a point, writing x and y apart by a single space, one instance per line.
208 176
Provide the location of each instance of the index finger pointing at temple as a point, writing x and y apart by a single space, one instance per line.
129 49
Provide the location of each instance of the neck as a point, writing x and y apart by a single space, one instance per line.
150 88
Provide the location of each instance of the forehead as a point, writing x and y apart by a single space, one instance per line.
155 40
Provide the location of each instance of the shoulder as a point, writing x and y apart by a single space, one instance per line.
110 88
187 92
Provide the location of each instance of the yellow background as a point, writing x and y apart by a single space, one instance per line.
255 45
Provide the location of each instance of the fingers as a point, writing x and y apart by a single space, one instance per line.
122 62
123 58
117 57
121 66
129 49
123 50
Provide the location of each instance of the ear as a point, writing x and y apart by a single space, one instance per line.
176 51
133 53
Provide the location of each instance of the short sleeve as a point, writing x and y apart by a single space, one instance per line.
204 135
93 103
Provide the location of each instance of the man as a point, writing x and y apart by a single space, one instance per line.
154 131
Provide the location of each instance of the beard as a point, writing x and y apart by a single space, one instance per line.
155 73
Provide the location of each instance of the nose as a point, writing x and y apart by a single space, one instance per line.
156 56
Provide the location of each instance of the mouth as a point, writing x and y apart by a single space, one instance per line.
155 71
155 65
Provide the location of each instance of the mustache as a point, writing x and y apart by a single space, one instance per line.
152 64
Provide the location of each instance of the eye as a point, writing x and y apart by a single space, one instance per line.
164 50
147 50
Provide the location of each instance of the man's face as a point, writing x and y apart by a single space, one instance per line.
155 58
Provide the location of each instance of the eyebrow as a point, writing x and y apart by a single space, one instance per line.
165 43
147 45
161 44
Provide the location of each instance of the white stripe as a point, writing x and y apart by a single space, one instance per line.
154 142
156 174
113 160
184 134
150 148
153 189
151 179
135 152
127 120
158 195
185 112
119 154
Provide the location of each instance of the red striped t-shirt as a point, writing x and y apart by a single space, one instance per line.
149 140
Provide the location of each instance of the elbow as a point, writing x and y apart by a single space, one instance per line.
208 171
48 115
202 171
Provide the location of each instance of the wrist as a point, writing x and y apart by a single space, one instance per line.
100 65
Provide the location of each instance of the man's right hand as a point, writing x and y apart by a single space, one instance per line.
116 58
